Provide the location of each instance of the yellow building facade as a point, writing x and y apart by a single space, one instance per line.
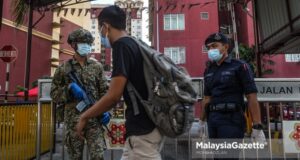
79 14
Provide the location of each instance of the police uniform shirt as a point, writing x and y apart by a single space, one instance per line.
128 62
228 82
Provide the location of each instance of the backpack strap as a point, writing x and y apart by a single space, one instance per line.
133 93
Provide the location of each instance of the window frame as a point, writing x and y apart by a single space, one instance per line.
169 23
292 58
202 17
176 54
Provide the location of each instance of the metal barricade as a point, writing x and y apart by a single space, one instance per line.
18 126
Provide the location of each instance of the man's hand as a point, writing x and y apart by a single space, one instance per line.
105 118
258 135
205 103
202 123
203 129
76 91
80 126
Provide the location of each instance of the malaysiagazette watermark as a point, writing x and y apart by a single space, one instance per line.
229 145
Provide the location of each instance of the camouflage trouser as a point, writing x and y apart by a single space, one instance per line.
93 134
94 142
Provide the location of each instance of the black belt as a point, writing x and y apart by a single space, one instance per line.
225 107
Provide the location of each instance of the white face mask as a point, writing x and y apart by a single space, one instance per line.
83 49
214 55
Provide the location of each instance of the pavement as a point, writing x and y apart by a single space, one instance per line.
60 152
174 149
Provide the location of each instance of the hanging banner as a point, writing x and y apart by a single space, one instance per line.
115 137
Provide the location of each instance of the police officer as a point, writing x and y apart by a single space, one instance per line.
64 90
226 81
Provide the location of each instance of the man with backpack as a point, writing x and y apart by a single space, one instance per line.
143 131
76 84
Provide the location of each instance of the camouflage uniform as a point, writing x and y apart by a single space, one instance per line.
91 75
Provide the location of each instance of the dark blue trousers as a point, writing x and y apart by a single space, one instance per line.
226 126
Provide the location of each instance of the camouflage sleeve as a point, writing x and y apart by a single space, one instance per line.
103 86
59 88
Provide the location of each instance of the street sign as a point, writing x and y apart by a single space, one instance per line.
8 53
269 89
44 89
278 89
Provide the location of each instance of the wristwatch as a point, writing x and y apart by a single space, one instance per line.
258 126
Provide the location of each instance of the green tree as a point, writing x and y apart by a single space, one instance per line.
19 9
20 88
248 54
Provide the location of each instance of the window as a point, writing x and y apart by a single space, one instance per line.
93 27
292 57
177 54
204 49
174 22
204 15
139 14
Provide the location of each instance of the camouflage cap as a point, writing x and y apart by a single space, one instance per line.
80 36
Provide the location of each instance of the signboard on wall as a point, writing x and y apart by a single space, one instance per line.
291 136
269 89
278 89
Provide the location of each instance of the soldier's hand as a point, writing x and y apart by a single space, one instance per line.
76 91
80 126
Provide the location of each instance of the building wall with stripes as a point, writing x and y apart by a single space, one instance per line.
41 48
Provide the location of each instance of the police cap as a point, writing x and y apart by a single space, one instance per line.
216 37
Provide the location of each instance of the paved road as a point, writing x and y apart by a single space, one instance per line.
170 151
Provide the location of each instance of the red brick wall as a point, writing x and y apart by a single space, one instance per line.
194 35
41 50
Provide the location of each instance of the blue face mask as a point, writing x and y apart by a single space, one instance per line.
83 49
104 39
214 55
105 42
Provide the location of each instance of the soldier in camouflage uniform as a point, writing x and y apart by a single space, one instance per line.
91 75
